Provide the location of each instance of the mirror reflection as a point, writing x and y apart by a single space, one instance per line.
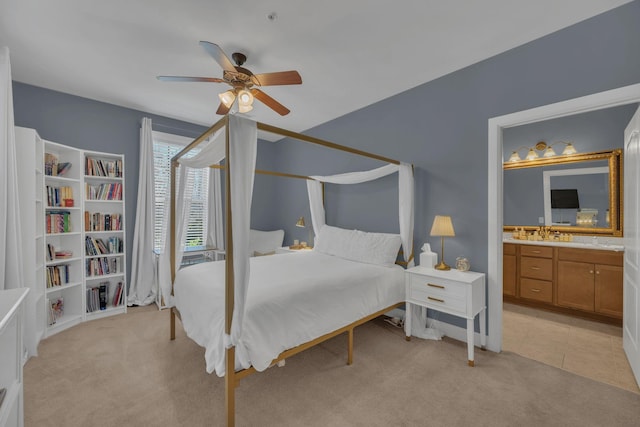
576 194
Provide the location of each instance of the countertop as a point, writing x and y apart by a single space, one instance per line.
602 244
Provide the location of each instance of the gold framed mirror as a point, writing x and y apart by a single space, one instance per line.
536 193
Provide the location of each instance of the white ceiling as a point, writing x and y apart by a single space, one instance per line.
350 53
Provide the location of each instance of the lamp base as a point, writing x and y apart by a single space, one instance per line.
442 266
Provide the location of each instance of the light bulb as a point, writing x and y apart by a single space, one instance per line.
532 155
245 98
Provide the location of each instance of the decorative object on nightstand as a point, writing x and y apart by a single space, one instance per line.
300 223
442 227
462 264
427 257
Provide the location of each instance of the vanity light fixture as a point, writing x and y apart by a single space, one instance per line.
542 146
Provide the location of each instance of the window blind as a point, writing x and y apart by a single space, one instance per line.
197 180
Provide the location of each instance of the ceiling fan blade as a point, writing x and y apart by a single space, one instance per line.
279 78
223 109
270 102
218 54
190 79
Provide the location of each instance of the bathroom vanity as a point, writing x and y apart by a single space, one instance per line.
582 279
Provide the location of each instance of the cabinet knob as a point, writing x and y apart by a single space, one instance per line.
591 271
597 272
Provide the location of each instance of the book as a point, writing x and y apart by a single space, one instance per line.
103 295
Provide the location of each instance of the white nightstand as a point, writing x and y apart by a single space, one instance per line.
460 293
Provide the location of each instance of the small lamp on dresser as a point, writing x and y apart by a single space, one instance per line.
443 227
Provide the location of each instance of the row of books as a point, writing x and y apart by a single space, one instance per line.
102 222
53 253
101 296
103 191
94 246
55 309
58 222
58 275
59 196
53 167
110 168
103 266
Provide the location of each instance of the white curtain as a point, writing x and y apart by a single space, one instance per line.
405 190
11 263
215 219
142 290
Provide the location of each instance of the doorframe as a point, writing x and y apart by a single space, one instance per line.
598 101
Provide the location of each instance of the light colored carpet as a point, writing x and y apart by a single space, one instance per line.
124 371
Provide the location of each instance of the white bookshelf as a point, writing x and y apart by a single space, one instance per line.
104 214
39 185
62 200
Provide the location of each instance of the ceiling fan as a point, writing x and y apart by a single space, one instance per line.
242 81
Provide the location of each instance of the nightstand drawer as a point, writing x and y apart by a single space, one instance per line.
422 295
437 287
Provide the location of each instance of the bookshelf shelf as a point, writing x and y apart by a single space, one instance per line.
63 287
54 181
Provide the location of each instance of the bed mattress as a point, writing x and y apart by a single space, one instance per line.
292 299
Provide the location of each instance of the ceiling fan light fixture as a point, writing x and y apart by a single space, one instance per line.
245 98
227 98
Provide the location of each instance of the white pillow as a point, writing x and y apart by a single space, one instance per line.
265 241
355 245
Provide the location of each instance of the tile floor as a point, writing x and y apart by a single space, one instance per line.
584 347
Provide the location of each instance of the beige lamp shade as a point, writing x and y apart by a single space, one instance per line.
442 226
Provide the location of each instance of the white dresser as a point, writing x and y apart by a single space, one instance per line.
11 352
459 293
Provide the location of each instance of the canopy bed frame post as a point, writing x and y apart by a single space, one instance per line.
230 369
172 249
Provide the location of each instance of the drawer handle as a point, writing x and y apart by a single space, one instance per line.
435 286
535 290
537 268
535 252
436 299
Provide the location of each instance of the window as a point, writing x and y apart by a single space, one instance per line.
165 146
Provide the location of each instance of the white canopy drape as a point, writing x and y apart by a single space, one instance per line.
405 190
241 160
142 290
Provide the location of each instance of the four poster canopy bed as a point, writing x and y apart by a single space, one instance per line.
250 313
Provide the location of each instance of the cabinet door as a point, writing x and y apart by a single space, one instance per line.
509 275
608 288
576 285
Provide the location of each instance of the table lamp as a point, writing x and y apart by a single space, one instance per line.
442 227
300 223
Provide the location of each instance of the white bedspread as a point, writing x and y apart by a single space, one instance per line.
292 299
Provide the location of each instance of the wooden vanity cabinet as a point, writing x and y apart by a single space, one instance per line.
590 280
509 270
583 282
